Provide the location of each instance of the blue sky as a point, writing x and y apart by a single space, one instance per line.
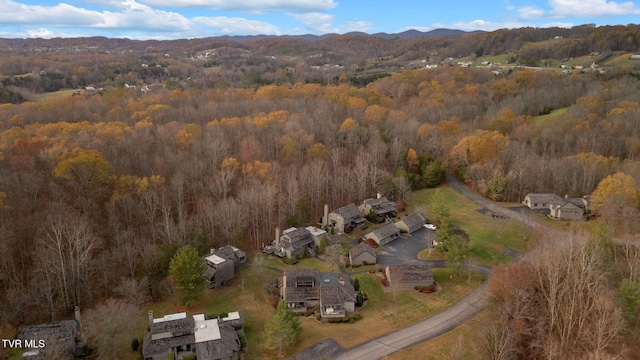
173 19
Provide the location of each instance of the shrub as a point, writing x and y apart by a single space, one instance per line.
365 262
319 317
290 261
384 282
189 357
135 344
300 256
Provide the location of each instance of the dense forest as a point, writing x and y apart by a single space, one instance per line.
104 186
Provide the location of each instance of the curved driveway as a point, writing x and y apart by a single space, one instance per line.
446 320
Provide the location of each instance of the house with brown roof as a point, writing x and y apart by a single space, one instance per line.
384 235
346 218
382 207
362 254
408 276
411 223
304 289
179 335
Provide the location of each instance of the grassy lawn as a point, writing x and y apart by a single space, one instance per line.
55 95
489 237
443 346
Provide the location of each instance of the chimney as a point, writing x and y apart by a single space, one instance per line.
378 195
212 250
150 319
325 218
277 235
78 319
341 280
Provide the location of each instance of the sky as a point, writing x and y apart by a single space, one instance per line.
179 19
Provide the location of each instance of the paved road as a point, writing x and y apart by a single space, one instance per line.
427 329
450 318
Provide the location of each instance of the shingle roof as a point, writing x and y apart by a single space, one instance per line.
542 198
348 212
222 348
385 231
381 205
414 220
300 294
151 347
60 331
403 273
336 295
175 326
361 248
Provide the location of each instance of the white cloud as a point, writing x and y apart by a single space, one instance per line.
530 12
350 26
127 17
317 22
591 8
259 6
226 25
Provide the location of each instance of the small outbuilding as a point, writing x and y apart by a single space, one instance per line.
362 254
411 223
385 234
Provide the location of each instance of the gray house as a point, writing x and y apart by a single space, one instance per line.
304 289
565 210
293 242
61 340
362 254
411 223
384 235
539 201
346 218
177 334
222 265
381 206
219 270
408 276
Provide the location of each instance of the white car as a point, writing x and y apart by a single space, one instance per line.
430 226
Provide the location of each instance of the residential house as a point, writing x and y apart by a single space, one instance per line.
318 235
232 253
219 270
362 254
346 218
384 235
179 335
381 206
408 276
304 289
293 242
563 209
411 223
51 340
539 201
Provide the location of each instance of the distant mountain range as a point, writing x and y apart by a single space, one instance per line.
409 34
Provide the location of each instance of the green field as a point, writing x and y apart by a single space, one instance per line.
489 237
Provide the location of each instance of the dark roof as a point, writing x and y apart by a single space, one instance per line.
229 252
414 220
296 239
222 348
348 212
381 205
151 347
174 326
385 231
410 273
60 331
361 248
333 292
300 294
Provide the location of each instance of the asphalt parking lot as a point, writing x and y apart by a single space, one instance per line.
405 249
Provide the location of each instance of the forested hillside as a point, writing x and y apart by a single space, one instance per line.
231 139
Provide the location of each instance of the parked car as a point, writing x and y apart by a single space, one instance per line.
430 226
